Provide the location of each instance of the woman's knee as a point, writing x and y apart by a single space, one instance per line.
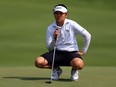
77 63
40 62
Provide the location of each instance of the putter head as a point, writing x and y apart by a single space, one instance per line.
49 82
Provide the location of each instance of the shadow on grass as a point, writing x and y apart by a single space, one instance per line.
27 78
64 80
37 78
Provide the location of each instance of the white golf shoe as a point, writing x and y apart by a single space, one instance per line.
56 73
74 75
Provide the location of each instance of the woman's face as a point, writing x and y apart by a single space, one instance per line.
59 16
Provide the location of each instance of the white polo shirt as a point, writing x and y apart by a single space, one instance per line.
66 40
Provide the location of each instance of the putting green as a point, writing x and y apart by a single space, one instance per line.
33 77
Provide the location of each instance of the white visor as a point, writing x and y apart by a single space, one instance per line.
61 9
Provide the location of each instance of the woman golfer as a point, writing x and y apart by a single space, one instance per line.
62 34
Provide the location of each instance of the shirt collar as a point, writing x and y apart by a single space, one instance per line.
65 22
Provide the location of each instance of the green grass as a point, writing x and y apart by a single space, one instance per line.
32 77
23 27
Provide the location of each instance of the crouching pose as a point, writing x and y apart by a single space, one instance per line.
62 34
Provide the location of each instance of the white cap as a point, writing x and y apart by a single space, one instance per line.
61 9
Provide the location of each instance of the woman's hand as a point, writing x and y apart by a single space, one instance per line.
81 53
56 33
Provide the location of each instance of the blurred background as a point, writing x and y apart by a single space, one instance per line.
23 25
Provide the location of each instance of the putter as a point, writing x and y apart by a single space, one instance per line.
50 81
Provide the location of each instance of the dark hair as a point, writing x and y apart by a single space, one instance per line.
61 5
